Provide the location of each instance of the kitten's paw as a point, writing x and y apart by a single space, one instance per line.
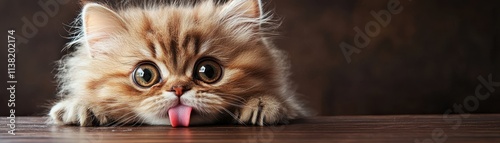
262 111
68 112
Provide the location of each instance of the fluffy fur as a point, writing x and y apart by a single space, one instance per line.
95 80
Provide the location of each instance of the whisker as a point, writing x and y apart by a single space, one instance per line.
233 115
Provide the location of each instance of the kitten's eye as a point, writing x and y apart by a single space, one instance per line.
146 75
208 71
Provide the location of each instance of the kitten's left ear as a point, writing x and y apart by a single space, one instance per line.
250 8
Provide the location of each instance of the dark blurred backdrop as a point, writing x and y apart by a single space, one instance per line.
425 60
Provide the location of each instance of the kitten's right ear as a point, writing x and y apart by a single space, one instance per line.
100 24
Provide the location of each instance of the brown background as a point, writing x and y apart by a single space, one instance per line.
427 59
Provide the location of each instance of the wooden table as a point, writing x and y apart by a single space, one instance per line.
394 128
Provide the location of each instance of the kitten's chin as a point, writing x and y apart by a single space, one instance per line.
196 119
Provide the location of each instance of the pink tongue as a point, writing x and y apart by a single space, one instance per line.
179 115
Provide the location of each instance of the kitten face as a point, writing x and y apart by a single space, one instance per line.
136 64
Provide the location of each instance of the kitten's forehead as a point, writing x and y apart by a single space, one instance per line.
175 38
178 36
171 35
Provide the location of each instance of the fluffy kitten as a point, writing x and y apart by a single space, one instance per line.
176 64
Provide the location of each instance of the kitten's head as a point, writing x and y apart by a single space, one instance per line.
134 64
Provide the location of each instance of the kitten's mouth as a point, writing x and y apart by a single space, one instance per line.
180 115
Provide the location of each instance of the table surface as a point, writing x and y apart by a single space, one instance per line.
383 128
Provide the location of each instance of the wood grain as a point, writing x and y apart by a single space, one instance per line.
394 128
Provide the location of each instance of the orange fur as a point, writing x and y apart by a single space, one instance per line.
96 83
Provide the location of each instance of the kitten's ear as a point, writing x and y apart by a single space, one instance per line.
250 8
100 24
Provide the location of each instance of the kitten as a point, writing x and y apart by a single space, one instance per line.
175 64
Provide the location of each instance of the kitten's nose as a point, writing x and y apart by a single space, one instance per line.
179 90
